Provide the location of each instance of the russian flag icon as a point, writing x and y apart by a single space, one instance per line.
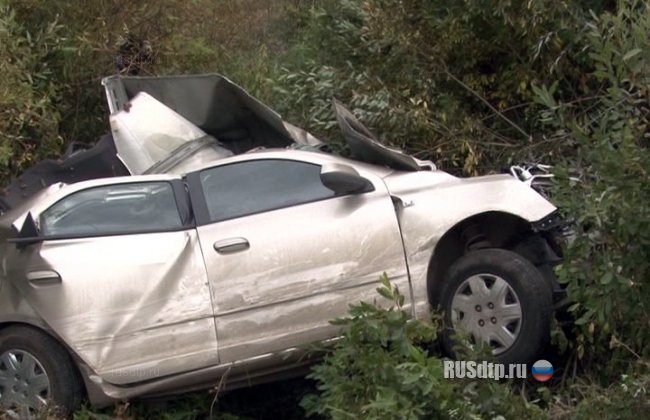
542 370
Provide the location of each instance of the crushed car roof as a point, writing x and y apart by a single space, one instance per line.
171 124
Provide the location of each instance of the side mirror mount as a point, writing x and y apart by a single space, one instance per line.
28 234
344 179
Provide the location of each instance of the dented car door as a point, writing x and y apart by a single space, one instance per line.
120 278
285 255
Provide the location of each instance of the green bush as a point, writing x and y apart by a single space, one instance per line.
50 92
607 266
447 80
380 370
29 119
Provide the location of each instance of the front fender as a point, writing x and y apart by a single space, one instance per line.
434 202
452 198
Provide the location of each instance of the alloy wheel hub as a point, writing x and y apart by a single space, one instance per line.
489 310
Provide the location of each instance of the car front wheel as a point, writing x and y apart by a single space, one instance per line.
35 372
497 297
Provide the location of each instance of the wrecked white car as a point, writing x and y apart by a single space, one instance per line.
228 240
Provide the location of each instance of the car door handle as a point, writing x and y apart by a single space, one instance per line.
231 245
43 278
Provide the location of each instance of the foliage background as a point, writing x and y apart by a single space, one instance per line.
470 84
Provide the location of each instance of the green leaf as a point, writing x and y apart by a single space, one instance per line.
416 354
573 307
607 278
632 53
585 318
385 293
385 281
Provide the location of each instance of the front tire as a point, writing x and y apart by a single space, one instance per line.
35 370
497 297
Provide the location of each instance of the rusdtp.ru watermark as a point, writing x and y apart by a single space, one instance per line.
459 369
542 370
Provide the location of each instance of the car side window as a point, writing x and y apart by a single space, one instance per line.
114 209
250 187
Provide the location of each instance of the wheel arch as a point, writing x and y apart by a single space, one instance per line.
37 325
43 329
491 229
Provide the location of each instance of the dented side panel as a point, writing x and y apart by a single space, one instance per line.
305 265
133 307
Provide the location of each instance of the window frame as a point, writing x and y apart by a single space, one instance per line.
200 204
179 193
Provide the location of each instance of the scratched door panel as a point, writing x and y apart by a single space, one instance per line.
132 306
302 267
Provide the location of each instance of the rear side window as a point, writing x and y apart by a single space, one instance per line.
114 209
250 187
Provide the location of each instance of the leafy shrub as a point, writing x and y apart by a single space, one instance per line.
379 370
50 92
605 130
29 120
447 80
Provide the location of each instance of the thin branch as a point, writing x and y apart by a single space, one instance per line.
618 343
218 389
511 108
482 99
